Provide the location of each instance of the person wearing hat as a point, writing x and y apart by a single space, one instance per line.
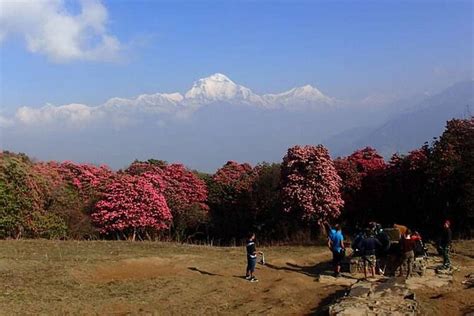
445 244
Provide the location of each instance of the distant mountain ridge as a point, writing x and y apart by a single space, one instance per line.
410 130
219 88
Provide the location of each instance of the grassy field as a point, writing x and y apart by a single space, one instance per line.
120 278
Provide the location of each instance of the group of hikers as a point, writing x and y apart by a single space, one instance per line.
373 245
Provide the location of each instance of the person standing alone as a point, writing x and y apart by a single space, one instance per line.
251 258
336 245
445 244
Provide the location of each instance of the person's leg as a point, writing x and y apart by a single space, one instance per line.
446 259
335 262
253 263
365 266
248 272
372 264
410 260
402 264
338 265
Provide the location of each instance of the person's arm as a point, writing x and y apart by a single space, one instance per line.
328 227
329 243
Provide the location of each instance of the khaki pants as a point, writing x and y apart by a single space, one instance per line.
408 259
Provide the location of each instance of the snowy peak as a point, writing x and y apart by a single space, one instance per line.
219 87
306 92
158 103
306 95
218 77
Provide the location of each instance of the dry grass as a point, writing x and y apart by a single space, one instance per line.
105 277
122 278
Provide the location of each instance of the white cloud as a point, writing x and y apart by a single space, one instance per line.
75 115
48 28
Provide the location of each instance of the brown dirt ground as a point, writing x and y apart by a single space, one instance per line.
455 299
145 278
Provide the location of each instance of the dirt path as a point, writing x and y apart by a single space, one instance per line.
122 278
456 298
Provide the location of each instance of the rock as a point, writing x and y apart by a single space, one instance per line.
469 281
328 279
360 289
428 281
384 297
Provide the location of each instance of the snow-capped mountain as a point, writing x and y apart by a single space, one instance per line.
306 95
152 103
218 88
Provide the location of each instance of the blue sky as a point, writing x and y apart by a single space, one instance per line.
63 63
348 49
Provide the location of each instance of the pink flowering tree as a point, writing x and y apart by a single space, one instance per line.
310 184
87 178
230 200
239 177
185 193
363 180
131 207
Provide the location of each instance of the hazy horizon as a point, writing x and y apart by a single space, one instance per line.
110 82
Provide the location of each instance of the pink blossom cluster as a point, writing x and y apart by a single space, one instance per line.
236 175
86 177
310 183
366 160
131 202
182 188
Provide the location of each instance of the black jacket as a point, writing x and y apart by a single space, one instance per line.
446 237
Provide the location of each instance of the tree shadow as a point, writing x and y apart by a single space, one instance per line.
320 268
203 272
312 271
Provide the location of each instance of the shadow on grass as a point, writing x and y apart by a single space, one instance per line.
203 272
312 271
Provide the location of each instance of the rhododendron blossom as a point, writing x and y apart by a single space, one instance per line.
182 188
235 175
131 203
310 183
86 177
366 160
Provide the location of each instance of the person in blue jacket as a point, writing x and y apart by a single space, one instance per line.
336 245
